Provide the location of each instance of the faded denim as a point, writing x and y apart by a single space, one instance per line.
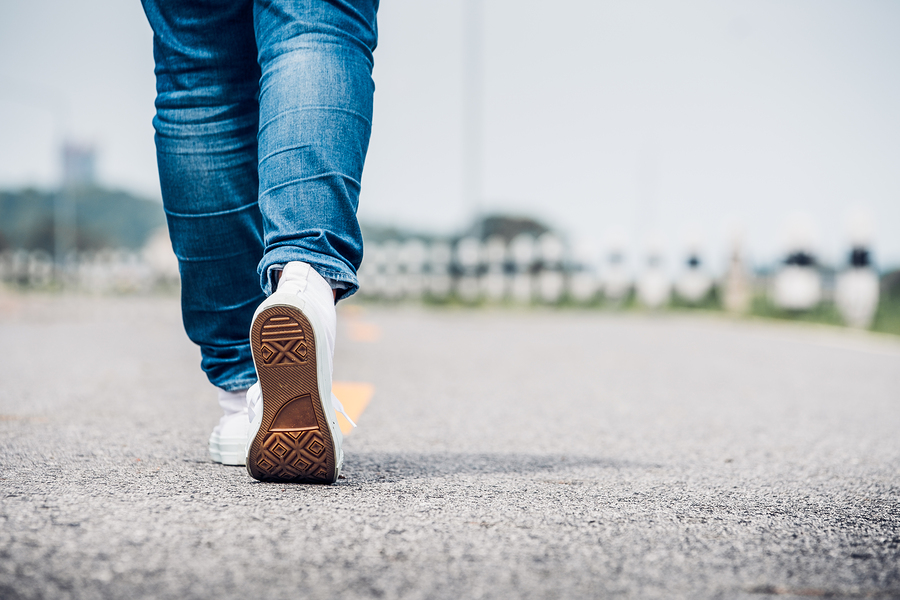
263 117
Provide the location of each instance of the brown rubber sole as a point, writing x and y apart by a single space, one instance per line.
293 442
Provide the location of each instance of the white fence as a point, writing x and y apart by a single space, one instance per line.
102 271
526 270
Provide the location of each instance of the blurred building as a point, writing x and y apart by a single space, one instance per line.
797 285
856 288
616 279
694 283
78 163
736 286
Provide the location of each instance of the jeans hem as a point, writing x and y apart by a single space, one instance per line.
328 267
236 386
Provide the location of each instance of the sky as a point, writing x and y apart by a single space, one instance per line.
657 120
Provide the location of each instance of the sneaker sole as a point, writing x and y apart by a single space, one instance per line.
293 442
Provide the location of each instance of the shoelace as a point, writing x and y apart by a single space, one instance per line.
254 397
340 408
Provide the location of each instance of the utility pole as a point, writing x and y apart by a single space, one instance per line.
473 100
77 173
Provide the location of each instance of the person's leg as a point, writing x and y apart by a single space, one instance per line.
206 137
315 119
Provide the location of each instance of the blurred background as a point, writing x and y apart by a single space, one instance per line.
738 156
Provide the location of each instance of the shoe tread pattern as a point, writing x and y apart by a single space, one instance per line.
293 442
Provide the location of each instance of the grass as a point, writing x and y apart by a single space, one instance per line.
825 313
887 319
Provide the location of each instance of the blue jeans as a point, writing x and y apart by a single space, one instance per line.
263 116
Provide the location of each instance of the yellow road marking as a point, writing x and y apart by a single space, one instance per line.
360 331
355 397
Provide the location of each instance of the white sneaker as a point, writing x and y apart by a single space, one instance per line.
294 433
228 441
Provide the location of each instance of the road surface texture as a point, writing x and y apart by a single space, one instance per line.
505 454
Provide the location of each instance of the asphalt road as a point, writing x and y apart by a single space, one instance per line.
505 454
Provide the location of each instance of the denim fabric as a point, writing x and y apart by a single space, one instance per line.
263 116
